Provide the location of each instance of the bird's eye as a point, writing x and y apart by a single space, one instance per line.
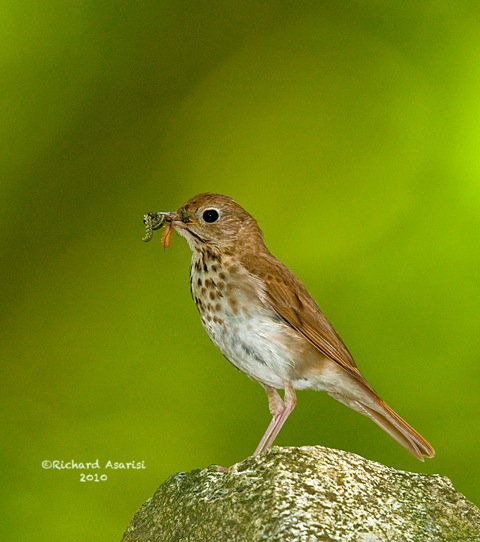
211 215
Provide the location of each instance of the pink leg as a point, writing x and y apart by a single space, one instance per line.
280 411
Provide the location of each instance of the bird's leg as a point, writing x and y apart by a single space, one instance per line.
280 411
289 403
276 407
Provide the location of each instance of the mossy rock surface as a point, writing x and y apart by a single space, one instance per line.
305 494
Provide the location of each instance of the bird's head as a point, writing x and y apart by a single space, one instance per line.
211 221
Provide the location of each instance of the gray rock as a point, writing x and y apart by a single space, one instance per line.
305 494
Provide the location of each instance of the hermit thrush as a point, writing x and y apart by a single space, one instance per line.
264 321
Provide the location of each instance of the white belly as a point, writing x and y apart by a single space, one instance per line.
253 346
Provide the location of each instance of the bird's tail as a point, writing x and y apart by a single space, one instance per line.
396 427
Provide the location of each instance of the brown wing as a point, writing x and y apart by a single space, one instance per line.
289 298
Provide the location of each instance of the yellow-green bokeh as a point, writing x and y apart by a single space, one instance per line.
350 130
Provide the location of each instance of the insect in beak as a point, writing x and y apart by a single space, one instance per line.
185 217
167 234
154 221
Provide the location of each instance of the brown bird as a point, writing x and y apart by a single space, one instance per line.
264 321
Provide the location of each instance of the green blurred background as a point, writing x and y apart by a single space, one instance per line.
350 130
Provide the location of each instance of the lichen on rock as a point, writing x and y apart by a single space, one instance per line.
305 494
